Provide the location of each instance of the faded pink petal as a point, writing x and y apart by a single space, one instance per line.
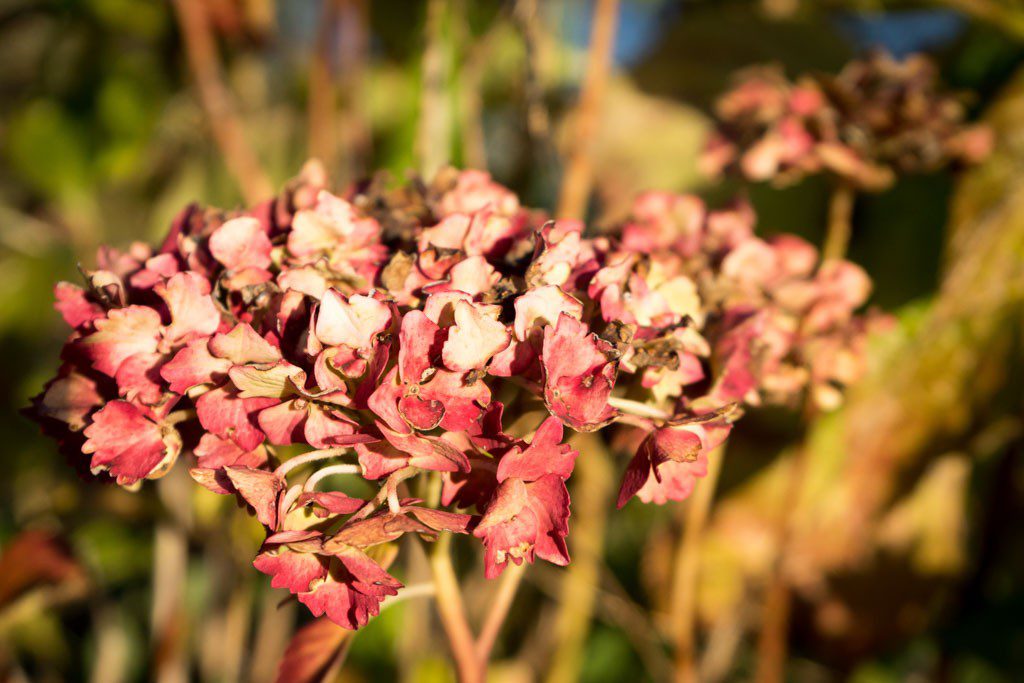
193 366
261 490
242 345
474 339
193 313
241 243
353 321
130 446
542 307
229 416
122 334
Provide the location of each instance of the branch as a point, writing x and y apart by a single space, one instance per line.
572 203
201 50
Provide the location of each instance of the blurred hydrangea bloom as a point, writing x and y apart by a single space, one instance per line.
877 118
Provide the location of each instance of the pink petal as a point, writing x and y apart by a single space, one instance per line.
283 423
138 378
193 313
122 334
543 306
74 307
70 399
325 427
427 452
193 366
545 455
420 340
330 502
241 243
227 415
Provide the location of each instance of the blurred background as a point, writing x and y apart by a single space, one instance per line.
905 561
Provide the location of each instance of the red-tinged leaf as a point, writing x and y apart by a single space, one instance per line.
313 651
34 558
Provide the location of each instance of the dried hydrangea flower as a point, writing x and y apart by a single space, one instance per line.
399 331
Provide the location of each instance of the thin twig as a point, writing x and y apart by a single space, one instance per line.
501 602
840 222
687 567
228 132
475 59
773 639
453 613
578 176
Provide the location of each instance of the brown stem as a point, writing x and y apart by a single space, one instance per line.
687 566
576 182
228 133
501 602
772 644
453 613
840 221
323 139
434 135
592 497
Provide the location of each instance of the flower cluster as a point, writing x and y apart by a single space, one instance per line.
439 329
876 118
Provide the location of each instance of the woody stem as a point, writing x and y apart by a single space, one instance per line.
687 568
453 613
500 605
